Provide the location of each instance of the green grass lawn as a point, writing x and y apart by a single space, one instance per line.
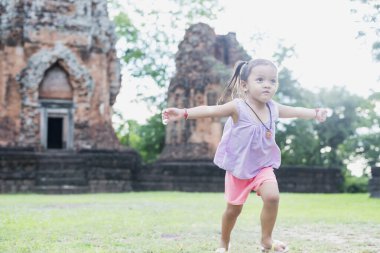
183 222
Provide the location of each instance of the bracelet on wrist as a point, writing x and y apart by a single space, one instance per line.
185 115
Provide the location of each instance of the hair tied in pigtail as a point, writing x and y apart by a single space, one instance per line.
241 67
231 88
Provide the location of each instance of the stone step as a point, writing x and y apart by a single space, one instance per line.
71 161
60 166
75 159
61 189
60 173
77 181
60 158
57 154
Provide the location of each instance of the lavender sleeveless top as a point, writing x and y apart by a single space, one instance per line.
244 148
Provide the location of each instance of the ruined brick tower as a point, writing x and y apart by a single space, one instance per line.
204 63
59 75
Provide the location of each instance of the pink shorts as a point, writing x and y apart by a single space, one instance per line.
237 190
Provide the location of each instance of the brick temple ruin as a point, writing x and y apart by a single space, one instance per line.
59 77
204 63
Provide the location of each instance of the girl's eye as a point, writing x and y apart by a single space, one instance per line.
259 80
274 82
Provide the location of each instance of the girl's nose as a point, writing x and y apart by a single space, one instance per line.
267 84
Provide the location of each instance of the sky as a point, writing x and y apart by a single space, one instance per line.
322 32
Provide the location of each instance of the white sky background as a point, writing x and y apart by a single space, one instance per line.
323 33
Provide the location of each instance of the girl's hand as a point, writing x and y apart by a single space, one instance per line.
321 114
172 114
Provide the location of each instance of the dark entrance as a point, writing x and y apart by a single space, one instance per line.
55 133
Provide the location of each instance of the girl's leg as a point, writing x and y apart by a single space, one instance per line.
228 222
270 195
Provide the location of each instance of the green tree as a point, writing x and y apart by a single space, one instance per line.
348 116
128 132
369 13
330 144
365 142
147 139
297 139
334 142
152 136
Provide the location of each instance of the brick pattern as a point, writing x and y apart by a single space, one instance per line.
109 171
80 38
309 179
67 172
204 176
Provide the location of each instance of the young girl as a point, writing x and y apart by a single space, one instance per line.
248 150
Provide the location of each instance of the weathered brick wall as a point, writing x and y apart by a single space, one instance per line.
309 179
78 35
67 172
107 171
190 176
204 176
18 170
374 183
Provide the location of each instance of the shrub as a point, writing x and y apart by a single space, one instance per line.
354 184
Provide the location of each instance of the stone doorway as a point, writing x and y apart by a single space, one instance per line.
55 133
56 95
57 126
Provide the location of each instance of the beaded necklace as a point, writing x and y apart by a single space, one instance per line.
268 133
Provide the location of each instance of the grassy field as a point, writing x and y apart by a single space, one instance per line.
182 222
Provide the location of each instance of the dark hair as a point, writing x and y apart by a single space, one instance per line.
242 71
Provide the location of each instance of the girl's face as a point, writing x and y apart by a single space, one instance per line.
262 83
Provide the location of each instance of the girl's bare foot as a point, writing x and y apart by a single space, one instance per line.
273 246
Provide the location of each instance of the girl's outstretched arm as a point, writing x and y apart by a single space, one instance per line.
285 111
203 111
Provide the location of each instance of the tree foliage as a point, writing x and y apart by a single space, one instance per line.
148 139
335 142
370 14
